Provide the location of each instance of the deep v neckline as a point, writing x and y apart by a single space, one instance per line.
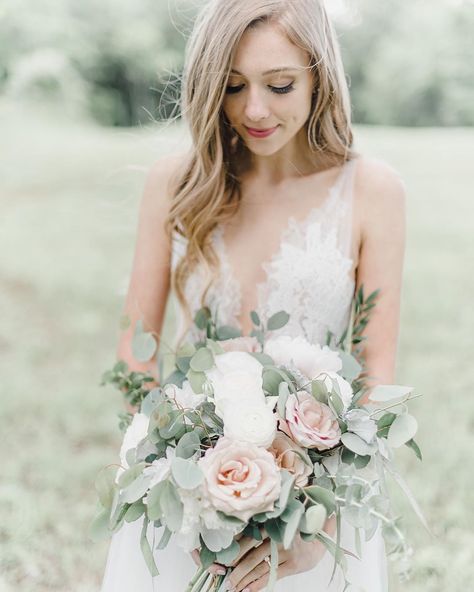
301 224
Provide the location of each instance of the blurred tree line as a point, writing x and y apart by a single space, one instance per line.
409 63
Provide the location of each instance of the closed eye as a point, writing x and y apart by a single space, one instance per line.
275 89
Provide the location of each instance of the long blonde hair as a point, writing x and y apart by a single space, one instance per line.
207 189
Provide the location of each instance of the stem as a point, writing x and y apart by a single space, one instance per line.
195 578
394 405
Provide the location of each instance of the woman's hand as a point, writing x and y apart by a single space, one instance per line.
250 571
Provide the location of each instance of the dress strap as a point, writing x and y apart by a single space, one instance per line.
346 196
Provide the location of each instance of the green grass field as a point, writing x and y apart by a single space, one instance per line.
69 195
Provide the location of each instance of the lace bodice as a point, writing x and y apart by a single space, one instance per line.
309 276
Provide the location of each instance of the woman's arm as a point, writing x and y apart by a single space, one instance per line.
380 197
149 282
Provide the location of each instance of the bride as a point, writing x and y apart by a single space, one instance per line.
270 209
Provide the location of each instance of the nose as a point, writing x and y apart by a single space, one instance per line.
256 107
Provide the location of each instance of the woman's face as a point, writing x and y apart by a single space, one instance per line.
269 90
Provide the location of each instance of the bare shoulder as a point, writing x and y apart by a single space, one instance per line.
380 192
161 175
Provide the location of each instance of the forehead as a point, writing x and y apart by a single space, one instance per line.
266 47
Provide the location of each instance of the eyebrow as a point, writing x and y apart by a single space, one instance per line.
272 71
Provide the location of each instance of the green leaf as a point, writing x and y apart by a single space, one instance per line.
403 428
144 345
187 350
386 420
153 499
226 332
186 473
264 359
227 556
361 462
414 446
215 347
196 380
255 318
216 539
183 364
323 496
384 393
154 397
202 360
105 486
292 522
174 426
351 368
146 550
136 490
99 527
314 519
271 380
165 537
206 556
135 511
201 317
171 506
275 529
278 320
130 474
357 444
273 566
319 391
336 404
188 444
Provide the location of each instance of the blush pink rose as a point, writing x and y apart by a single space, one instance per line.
285 450
310 423
244 344
241 479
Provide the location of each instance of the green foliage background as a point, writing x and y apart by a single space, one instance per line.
409 63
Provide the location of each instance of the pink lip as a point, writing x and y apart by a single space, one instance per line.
260 133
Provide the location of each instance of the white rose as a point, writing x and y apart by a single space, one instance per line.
184 397
309 359
344 387
236 376
359 422
135 433
254 423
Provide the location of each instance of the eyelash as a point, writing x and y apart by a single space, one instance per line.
279 90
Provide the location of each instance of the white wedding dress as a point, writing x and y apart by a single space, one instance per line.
309 277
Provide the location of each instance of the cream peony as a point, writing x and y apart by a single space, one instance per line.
285 451
309 359
241 479
310 423
250 422
235 377
359 422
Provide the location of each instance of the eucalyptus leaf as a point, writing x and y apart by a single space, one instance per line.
357 444
188 444
384 393
136 490
351 368
154 397
255 318
146 550
206 556
227 556
292 522
186 473
227 332
314 519
263 358
144 346
171 506
105 486
164 540
414 446
275 529
283 394
321 495
216 539
196 380
403 428
130 474
99 527
135 511
271 380
278 320
153 501
202 360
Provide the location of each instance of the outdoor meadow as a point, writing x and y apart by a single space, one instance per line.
69 192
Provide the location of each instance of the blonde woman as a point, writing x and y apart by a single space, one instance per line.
270 209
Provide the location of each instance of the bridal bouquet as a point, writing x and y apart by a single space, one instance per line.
257 434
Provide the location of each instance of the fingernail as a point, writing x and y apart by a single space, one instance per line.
221 571
246 590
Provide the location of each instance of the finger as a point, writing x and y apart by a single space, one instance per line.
283 570
214 568
247 543
248 563
259 571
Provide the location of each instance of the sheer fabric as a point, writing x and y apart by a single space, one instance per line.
309 277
